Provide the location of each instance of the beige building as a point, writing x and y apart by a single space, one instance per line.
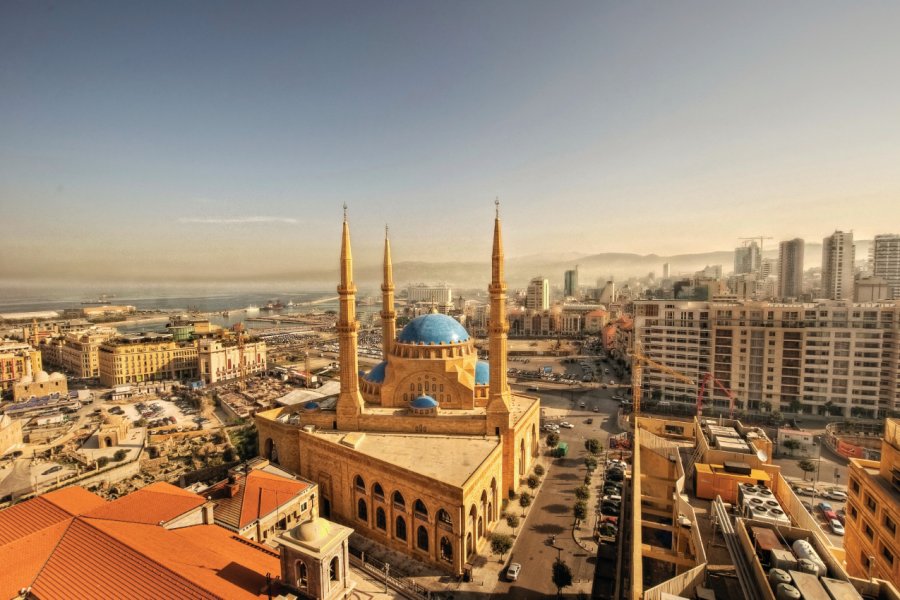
838 256
146 357
78 351
10 434
17 360
222 359
816 357
419 453
39 385
872 542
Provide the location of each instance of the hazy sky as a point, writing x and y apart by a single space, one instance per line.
173 139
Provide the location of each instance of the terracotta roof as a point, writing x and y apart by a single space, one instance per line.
259 494
158 502
117 549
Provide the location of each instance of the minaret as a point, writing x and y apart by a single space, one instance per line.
350 400
498 389
388 316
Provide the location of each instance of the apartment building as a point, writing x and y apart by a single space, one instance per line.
872 542
790 269
828 357
537 295
146 357
221 360
838 256
886 261
77 351
17 359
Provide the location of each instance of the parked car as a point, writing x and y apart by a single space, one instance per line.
567 425
609 509
835 495
52 469
805 491
589 421
608 530
824 506
512 571
836 527
613 498
615 474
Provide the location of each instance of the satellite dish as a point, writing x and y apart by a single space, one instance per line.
762 456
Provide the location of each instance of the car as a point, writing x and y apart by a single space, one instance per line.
608 530
611 382
620 464
836 527
534 388
612 519
512 571
615 475
52 469
581 404
609 510
835 495
567 425
824 506
830 515
612 498
610 488
596 409
805 491
589 421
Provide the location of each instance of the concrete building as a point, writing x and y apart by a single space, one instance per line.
438 294
790 269
886 261
870 289
747 258
17 360
570 284
788 357
872 542
666 271
838 256
221 359
39 385
537 295
146 357
77 351
419 453
10 434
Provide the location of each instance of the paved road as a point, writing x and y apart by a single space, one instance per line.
551 514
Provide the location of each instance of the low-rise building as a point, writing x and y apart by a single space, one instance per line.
17 359
10 434
224 359
146 357
39 385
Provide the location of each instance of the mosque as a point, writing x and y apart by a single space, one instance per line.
419 453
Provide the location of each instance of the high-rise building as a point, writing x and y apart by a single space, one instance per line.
838 255
886 261
790 269
571 283
537 296
746 258
786 357
666 271
873 511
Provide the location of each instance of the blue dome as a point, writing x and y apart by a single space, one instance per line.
424 402
482 373
434 328
376 375
311 405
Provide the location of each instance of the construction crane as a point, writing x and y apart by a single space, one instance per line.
637 367
760 238
706 379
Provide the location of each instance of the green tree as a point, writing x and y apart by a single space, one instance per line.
500 544
590 462
791 445
553 439
580 510
533 481
582 492
524 501
795 405
539 470
562 576
120 455
592 445
102 462
513 521
807 466
766 406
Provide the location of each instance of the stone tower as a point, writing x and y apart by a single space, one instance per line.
350 401
388 315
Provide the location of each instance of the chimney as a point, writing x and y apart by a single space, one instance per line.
233 489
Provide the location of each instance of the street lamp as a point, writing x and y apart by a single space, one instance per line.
387 569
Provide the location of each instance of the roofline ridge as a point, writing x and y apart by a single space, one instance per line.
53 551
190 585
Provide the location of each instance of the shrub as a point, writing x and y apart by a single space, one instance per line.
553 439
102 461
590 462
580 510
120 455
512 520
539 470
533 481
582 492
525 500
587 480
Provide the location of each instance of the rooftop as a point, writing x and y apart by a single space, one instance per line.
433 328
259 494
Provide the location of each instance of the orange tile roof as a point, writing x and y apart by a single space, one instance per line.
264 492
159 502
106 554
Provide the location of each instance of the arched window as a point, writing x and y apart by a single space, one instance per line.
302 575
361 510
334 572
420 509
399 501
400 529
422 538
360 484
378 491
444 517
380 519
446 549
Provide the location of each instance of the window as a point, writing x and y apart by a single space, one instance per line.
399 502
444 517
853 512
360 484
889 524
422 538
334 571
887 554
378 491
868 531
871 504
400 528
420 508
362 512
854 486
380 519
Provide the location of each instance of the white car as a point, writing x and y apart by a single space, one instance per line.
512 571
835 495
617 463
836 527
567 425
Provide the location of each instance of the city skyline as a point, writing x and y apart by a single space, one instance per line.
155 142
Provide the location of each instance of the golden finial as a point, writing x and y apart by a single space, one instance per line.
497 205
345 211
385 231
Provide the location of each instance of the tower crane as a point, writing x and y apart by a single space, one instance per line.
709 377
760 238
637 368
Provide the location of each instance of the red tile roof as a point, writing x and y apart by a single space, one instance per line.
264 492
97 551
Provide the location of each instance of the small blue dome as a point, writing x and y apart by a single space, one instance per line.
311 405
424 402
376 375
433 328
482 373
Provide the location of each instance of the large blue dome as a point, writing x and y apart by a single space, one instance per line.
434 328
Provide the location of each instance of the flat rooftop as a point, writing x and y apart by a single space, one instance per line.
448 459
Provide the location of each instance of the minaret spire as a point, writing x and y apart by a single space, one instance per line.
498 390
388 316
350 401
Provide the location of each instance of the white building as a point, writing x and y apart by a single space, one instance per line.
220 360
537 296
838 255
438 294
